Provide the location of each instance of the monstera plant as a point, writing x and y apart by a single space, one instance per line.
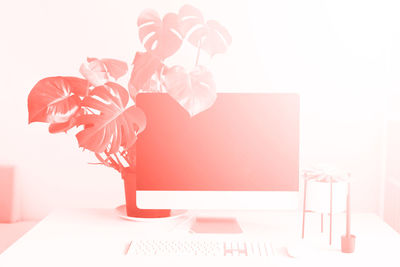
103 111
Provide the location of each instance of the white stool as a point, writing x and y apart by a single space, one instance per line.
324 198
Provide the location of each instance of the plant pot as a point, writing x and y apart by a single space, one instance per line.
132 210
348 243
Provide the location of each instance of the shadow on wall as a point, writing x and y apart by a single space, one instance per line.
10 229
9 195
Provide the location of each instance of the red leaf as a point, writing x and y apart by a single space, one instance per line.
195 91
99 71
115 125
190 17
56 99
115 68
94 71
65 126
212 37
163 37
145 66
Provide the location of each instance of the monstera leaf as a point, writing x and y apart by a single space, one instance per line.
163 37
56 100
59 127
145 65
189 17
210 36
99 71
112 125
194 91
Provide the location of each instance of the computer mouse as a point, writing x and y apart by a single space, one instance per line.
299 249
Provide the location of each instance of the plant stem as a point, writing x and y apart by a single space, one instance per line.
109 162
123 154
198 52
114 164
119 162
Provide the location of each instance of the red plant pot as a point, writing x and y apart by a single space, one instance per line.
348 243
132 210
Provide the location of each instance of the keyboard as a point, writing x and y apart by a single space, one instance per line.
199 247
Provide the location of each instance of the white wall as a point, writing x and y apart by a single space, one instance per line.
342 56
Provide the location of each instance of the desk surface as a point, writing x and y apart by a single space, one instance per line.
98 237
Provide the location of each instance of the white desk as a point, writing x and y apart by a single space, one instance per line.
98 237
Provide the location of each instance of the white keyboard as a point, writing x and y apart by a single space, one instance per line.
199 247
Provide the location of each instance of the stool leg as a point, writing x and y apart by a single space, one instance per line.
304 207
330 213
322 222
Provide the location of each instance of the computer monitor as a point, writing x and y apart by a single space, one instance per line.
241 153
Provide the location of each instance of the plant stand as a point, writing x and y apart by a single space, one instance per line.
341 187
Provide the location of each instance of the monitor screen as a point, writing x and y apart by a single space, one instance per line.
244 142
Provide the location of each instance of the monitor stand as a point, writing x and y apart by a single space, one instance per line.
214 225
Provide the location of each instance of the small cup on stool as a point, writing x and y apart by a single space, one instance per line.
348 243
